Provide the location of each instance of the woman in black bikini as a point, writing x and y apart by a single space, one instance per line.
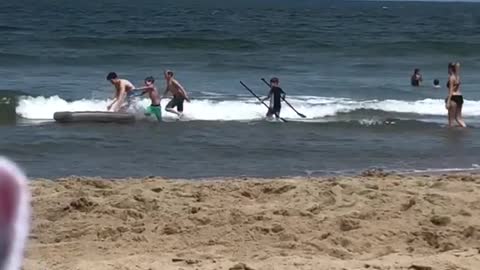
454 101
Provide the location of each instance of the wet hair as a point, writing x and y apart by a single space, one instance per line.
436 82
169 72
274 80
416 70
111 76
150 79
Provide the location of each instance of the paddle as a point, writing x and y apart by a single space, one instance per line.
246 87
288 103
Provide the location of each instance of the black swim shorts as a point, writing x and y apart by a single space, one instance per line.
177 101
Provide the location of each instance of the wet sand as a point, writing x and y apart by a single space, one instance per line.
374 221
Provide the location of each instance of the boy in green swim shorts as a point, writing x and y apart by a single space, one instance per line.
155 107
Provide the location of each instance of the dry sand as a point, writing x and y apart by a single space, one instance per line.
366 222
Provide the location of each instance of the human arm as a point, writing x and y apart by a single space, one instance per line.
451 83
283 94
121 98
268 96
140 88
111 104
144 89
114 99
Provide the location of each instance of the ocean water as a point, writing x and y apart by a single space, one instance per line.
345 65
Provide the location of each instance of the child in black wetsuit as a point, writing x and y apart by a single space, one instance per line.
276 94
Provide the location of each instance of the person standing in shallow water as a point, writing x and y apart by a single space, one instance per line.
454 100
275 95
155 107
123 90
178 92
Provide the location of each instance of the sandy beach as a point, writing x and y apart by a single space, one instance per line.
373 221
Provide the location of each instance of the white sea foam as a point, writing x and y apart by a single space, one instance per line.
242 109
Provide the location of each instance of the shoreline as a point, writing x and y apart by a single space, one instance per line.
362 173
376 221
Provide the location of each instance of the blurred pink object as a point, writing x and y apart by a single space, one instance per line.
14 214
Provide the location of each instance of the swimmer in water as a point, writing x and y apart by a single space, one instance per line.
416 78
454 100
124 89
14 215
436 83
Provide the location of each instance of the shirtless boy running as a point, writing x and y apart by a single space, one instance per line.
154 107
178 92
